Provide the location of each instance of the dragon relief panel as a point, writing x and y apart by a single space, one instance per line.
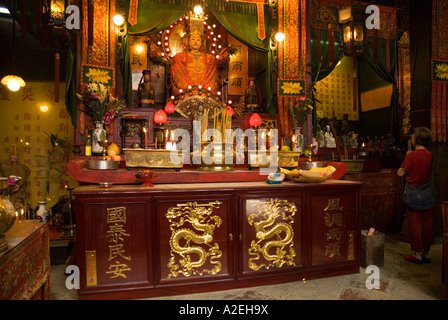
192 245
273 226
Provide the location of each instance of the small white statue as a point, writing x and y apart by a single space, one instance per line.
353 140
330 141
320 137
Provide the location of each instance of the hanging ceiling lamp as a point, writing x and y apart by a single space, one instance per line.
352 24
13 82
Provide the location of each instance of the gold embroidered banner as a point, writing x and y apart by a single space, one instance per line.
291 53
404 84
439 102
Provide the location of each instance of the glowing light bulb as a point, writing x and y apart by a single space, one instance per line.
13 85
279 36
197 10
118 20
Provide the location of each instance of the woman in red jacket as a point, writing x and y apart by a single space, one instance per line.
416 168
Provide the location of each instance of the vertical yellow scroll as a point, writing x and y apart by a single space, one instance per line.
238 68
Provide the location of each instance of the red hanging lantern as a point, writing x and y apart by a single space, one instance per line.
255 120
160 117
229 111
169 108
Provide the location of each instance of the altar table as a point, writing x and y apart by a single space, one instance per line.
25 268
136 242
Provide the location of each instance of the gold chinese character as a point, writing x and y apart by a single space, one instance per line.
331 219
333 204
116 215
117 250
117 270
333 234
333 249
116 232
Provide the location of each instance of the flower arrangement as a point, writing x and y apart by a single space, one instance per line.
299 108
305 104
101 105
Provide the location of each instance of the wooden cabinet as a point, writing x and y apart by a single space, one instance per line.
193 238
25 268
382 205
335 231
138 242
270 234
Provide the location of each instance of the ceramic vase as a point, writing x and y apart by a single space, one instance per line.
98 134
42 211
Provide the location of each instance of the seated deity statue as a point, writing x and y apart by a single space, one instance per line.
330 141
251 95
194 67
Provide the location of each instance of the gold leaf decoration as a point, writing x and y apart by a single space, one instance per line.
98 76
442 71
292 88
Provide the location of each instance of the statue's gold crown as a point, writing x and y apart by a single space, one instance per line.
196 25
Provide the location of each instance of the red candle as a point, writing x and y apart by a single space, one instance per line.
146 136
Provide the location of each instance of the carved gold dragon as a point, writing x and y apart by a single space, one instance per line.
271 243
183 239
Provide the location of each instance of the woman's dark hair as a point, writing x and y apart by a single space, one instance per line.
423 136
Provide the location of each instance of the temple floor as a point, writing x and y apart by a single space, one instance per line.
399 280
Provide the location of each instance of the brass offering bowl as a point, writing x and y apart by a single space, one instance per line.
102 164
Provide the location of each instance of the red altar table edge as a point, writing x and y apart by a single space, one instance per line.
25 268
76 169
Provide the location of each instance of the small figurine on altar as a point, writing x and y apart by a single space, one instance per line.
330 141
369 145
353 140
320 137
146 90
376 145
345 126
383 146
390 144
251 95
